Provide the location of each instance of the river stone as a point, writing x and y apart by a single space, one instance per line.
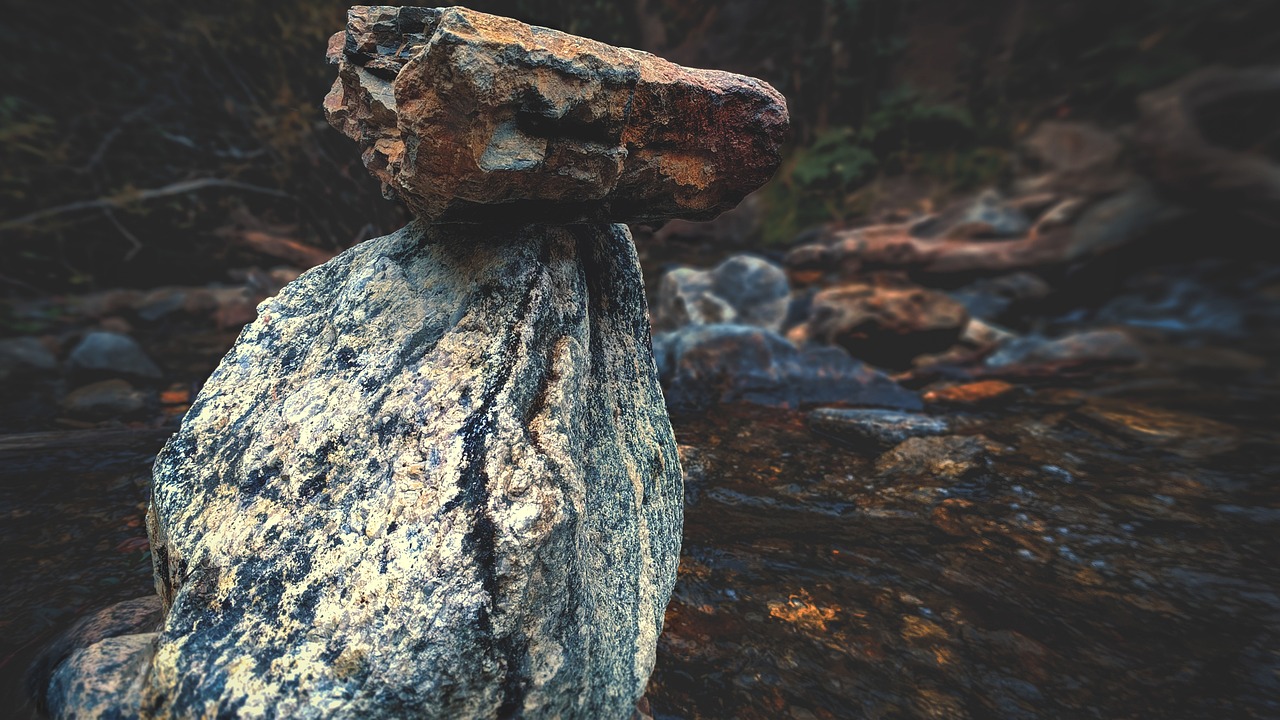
24 355
874 427
743 289
101 352
107 398
1106 345
434 478
79 682
706 365
886 324
470 117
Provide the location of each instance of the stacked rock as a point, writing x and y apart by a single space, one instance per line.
436 477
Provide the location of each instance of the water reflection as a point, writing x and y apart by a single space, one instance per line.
1100 557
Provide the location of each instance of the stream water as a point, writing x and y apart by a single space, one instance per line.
1097 547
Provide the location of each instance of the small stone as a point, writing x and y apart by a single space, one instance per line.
993 298
948 457
128 618
874 427
1076 157
886 325
158 303
96 681
744 289
986 216
470 117
21 355
1118 220
109 398
1093 346
108 352
706 365
973 393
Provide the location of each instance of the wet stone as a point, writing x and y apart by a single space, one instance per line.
974 393
111 353
986 216
23 355
129 618
946 457
873 427
743 289
886 324
1092 346
109 398
706 365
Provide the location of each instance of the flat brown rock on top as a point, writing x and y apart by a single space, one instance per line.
470 117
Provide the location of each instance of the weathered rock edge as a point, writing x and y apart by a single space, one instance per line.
470 117
434 478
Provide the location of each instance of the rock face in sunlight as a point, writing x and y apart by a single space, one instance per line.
471 117
435 477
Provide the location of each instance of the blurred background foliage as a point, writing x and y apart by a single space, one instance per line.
106 107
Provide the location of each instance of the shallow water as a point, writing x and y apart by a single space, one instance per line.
1105 558
1104 547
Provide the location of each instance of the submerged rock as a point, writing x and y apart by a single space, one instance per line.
743 289
469 117
705 365
974 393
874 427
111 353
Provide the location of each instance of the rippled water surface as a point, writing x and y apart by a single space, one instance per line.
1104 547
1100 556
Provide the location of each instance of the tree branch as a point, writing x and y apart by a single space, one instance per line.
123 199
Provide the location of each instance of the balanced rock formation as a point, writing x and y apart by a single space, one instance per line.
469 117
435 478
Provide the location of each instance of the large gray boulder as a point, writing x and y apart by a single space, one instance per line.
434 478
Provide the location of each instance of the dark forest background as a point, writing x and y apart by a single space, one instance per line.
140 139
